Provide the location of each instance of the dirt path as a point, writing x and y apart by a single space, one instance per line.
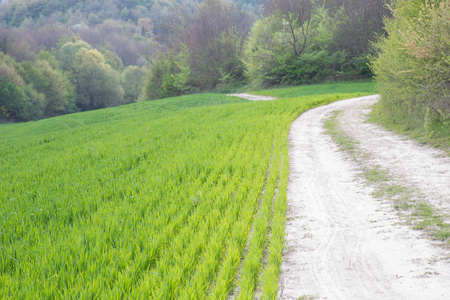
253 97
424 168
341 242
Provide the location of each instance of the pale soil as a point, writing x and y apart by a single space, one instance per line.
253 97
424 168
341 242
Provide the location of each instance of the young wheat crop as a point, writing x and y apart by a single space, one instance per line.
180 198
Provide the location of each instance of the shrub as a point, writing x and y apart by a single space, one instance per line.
412 65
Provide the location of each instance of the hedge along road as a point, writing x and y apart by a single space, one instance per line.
341 242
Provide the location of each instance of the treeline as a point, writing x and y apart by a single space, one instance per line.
75 77
177 47
412 66
306 41
294 42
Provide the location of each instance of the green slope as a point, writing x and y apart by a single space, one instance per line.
177 198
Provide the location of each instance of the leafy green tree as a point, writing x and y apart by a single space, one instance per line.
35 104
98 85
50 82
215 42
133 79
296 16
265 43
112 59
412 65
49 58
12 100
169 75
271 57
356 23
58 91
19 101
182 74
8 69
66 55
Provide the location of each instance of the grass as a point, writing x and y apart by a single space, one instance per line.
418 212
434 133
344 141
175 198
366 87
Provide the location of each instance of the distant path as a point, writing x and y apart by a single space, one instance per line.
341 242
253 97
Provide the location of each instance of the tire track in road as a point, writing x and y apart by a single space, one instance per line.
426 169
341 242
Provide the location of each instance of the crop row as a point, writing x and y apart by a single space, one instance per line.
180 198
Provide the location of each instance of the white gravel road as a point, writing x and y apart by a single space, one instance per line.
341 242
253 97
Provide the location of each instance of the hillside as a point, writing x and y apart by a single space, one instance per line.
106 203
59 57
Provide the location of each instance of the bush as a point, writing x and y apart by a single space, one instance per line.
168 76
412 65
12 101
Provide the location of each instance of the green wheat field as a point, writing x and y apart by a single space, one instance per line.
180 198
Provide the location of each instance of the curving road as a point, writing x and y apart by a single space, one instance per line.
341 242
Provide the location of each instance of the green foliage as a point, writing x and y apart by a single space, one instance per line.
412 66
149 200
86 81
12 100
67 52
215 40
262 47
35 105
8 69
183 73
133 79
312 66
49 58
98 85
57 89
112 59
270 57
19 99
37 10
168 75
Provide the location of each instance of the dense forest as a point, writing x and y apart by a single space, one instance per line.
58 56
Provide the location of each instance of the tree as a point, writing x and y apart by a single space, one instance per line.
52 83
18 43
66 55
412 65
262 47
15 94
112 59
47 36
48 57
133 79
8 69
270 56
98 85
357 23
145 27
281 47
215 41
35 104
296 20
168 75
12 100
